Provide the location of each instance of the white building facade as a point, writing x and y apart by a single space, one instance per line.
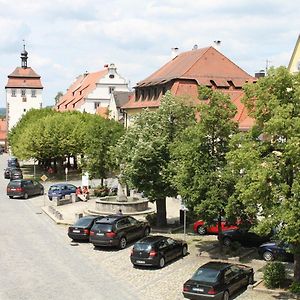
23 92
91 92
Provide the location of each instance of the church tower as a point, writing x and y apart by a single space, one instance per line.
23 91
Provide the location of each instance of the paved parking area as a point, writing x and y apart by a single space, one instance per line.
166 283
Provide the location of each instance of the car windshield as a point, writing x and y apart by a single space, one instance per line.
54 188
103 227
206 275
14 184
142 247
83 222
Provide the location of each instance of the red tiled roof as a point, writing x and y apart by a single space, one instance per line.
79 90
24 78
203 65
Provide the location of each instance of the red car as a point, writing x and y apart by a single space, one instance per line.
200 228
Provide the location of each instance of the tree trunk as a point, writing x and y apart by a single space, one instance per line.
161 220
220 233
297 267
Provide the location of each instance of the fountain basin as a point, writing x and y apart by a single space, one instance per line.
133 206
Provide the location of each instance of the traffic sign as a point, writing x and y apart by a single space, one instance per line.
44 177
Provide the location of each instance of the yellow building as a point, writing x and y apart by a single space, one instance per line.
294 65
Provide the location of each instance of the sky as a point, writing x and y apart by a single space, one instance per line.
66 38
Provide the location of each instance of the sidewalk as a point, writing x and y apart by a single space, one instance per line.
68 213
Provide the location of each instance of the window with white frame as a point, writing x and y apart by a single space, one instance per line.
33 93
13 92
23 92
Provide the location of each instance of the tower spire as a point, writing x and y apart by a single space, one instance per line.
24 56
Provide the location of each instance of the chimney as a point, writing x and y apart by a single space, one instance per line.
174 52
217 45
195 47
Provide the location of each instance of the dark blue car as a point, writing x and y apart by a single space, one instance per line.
60 190
275 251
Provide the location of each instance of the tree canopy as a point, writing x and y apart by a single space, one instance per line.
143 153
266 161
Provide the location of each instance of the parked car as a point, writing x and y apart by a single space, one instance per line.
244 237
13 162
275 251
24 188
80 231
217 280
117 231
7 172
201 228
157 251
16 174
60 190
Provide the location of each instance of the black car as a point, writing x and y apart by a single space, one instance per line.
117 230
16 174
80 231
157 251
217 280
275 251
7 172
24 188
13 162
244 237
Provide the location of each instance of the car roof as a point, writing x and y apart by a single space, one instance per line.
110 219
216 265
152 239
63 184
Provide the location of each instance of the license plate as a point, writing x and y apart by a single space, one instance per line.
140 261
100 233
76 231
198 290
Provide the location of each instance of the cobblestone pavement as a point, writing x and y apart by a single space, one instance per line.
166 283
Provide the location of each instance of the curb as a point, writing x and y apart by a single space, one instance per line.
57 221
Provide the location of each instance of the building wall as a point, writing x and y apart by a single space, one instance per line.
17 106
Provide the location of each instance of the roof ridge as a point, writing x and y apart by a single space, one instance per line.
207 48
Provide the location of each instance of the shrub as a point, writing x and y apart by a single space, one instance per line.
101 191
295 288
151 218
274 275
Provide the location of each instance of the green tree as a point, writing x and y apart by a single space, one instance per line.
58 96
99 135
143 153
199 163
266 161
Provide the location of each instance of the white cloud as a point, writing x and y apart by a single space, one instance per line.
65 38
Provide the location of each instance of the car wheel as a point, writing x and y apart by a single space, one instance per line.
227 241
25 196
201 230
184 251
268 256
226 295
50 198
250 279
122 243
10 197
162 262
146 231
